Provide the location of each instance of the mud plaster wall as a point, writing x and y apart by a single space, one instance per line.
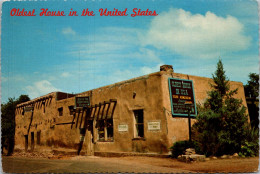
151 95
177 126
65 135
45 118
148 97
42 120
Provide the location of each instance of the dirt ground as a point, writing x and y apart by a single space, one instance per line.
61 163
235 165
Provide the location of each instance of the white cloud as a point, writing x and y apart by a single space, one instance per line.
40 88
68 31
65 74
147 70
195 35
121 75
121 46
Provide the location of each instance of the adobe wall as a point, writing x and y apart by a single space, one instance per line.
147 90
149 93
177 126
40 123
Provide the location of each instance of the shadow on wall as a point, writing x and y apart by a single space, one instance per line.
56 143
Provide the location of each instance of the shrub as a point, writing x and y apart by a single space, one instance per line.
250 147
247 150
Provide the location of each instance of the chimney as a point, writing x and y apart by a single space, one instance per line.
167 68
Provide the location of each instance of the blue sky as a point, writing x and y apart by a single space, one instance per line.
43 54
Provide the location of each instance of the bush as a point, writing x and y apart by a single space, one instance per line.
250 147
247 150
179 147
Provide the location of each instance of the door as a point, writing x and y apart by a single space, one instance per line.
89 138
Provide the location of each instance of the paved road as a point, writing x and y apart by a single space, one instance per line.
80 164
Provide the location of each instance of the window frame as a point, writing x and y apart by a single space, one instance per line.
137 124
105 131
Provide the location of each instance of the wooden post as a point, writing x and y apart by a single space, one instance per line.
189 125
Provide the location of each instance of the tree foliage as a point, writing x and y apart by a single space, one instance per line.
252 86
252 93
8 121
221 125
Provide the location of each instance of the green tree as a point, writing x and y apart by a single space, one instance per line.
252 92
8 122
221 125
252 86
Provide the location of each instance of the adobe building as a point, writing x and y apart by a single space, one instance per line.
130 116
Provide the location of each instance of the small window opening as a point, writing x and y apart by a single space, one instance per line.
60 111
139 123
71 109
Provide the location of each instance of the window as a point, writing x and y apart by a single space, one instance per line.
71 109
139 123
110 130
101 130
60 111
105 130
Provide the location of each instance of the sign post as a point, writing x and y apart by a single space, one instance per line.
183 99
189 124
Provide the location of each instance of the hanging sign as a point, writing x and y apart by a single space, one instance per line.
182 97
28 109
82 101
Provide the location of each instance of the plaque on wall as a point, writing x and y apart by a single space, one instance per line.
122 127
154 125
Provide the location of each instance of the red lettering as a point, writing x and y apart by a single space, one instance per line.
115 12
133 15
13 11
45 12
85 12
139 12
17 12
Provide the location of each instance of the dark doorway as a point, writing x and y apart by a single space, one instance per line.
26 142
39 137
32 141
